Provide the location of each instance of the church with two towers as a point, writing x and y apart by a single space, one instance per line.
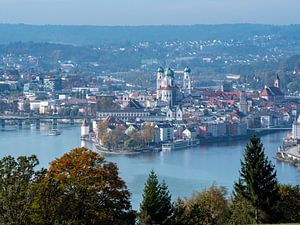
170 91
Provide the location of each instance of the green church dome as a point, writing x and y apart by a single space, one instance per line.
187 70
170 72
160 70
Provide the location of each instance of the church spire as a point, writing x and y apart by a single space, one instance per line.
277 82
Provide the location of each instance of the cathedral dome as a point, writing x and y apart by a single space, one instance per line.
160 70
170 72
187 70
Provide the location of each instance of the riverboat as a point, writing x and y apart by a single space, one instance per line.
54 132
179 144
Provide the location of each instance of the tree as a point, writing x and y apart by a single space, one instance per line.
117 136
288 205
136 137
106 103
241 212
148 133
194 215
102 127
179 209
156 207
208 207
16 195
85 189
47 207
257 182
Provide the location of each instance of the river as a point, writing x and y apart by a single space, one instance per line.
185 171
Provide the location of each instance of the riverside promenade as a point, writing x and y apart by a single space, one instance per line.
290 155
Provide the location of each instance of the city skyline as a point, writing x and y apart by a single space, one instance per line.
142 12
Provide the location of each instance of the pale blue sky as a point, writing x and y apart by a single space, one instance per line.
149 12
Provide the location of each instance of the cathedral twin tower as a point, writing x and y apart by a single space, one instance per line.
166 88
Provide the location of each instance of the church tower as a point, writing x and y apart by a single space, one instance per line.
277 82
187 83
168 88
243 103
159 79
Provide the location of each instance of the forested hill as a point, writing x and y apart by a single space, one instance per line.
93 35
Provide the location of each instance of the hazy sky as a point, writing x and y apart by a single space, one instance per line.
145 12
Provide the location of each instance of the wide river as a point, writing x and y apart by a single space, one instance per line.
185 171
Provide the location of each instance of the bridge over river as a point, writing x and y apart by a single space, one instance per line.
37 119
267 130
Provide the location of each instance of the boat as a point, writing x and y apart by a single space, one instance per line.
178 144
54 132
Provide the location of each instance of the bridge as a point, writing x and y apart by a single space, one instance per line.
268 129
36 119
271 128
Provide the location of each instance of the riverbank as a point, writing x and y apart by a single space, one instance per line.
198 142
290 155
102 150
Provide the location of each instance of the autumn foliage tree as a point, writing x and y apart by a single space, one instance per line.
85 189
288 205
148 133
208 207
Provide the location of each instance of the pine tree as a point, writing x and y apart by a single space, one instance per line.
257 182
156 207
165 203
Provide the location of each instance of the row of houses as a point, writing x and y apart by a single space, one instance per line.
168 131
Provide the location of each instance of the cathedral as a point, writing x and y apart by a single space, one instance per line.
167 89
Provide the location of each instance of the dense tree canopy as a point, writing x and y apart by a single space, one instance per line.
288 205
16 178
88 188
78 188
208 207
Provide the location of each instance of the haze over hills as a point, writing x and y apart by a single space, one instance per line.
93 35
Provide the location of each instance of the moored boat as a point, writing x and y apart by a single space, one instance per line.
179 144
54 132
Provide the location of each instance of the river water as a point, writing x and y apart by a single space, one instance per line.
185 171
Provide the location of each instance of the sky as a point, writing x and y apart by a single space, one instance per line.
149 12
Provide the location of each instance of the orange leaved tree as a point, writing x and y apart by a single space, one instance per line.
82 188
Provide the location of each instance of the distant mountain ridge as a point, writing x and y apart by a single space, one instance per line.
95 35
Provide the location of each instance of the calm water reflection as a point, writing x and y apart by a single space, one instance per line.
185 171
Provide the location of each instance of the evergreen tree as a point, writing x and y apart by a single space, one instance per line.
257 182
156 207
